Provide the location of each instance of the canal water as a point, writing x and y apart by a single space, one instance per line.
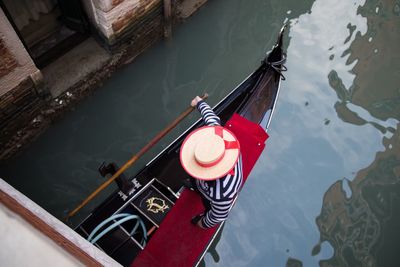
325 192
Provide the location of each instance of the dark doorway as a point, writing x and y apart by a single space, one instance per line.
47 28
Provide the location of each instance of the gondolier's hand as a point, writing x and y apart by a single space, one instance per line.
195 100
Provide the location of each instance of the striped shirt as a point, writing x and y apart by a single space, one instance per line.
222 191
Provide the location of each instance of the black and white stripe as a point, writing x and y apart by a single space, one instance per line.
208 114
220 192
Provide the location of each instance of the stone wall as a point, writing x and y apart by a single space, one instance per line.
21 83
123 23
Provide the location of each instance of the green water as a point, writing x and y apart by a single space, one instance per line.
326 191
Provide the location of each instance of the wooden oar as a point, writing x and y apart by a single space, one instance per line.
134 158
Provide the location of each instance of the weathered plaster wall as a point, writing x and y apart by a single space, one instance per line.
7 61
19 63
121 21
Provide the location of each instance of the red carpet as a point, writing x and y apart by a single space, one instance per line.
178 242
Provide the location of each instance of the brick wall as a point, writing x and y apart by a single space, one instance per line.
17 107
20 81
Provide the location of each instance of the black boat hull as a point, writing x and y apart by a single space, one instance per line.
254 99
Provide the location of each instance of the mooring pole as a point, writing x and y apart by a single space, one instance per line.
167 18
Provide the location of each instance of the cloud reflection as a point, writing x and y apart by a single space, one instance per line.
312 145
314 37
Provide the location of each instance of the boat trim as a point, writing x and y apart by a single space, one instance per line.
141 212
173 142
168 188
129 237
274 105
215 235
223 223
209 244
131 199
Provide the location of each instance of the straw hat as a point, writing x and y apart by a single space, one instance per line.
209 152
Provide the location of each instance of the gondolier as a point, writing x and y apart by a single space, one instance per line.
211 155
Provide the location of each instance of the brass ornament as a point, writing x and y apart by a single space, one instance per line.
156 205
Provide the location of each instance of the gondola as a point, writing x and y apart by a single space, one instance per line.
146 222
